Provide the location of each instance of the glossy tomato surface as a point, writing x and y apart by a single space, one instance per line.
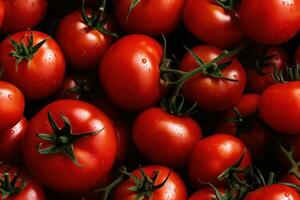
95 153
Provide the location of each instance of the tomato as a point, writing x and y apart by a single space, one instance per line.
274 192
174 187
85 47
10 141
130 72
164 138
152 17
211 23
297 56
269 21
12 105
207 163
258 81
37 77
1 12
290 178
22 14
206 194
79 161
280 107
213 94
31 191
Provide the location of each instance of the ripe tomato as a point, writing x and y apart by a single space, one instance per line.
207 163
274 192
1 12
206 194
22 14
290 178
211 23
164 138
12 105
31 191
280 107
297 56
152 17
85 47
130 72
10 141
79 161
174 187
258 81
269 21
213 94
43 74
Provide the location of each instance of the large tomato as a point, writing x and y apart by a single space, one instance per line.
211 23
1 12
213 94
86 45
207 163
22 14
152 17
130 72
39 72
269 21
164 138
280 107
274 192
10 141
260 79
31 191
173 188
12 105
72 160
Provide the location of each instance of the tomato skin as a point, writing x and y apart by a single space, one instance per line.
207 163
46 71
143 20
10 141
206 194
280 107
22 14
290 178
164 138
278 20
129 72
12 104
96 153
1 12
210 93
85 47
32 191
274 192
297 56
173 189
257 82
213 24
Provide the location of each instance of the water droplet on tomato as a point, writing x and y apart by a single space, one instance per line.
11 132
9 96
144 60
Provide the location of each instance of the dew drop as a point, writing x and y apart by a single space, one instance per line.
283 3
144 60
9 96
11 132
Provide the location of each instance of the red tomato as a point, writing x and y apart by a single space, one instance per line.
130 72
207 163
206 194
173 189
211 23
213 94
257 82
23 14
274 192
269 21
1 12
31 191
297 56
152 17
12 105
85 46
280 107
290 178
39 77
164 138
10 141
95 154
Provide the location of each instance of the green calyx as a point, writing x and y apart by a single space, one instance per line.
295 166
25 52
62 139
9 187
227 4
133 4
96 20
243 124
289 74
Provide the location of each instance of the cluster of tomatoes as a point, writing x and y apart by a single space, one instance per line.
138 99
